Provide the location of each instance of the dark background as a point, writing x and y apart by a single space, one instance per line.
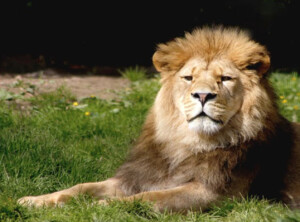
83 34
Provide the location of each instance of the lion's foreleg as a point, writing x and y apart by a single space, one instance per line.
192 196
108 188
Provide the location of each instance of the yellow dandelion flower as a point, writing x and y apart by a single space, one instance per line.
87 113
298 94
75 103
281 97
284 101
92 96
296 107
294 78
127 89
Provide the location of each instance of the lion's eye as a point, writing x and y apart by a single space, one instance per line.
188 78
225 78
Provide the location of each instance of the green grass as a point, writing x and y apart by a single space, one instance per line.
134 73
57 143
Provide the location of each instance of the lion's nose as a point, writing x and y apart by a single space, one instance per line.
203 97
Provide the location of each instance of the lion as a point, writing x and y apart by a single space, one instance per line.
213 132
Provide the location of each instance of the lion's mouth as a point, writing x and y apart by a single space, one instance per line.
203 114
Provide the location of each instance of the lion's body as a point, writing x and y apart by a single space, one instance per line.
214 131
291 191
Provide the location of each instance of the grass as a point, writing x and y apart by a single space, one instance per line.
59 142
134 73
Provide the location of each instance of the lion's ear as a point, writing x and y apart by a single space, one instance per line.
170 57
159 61
260 62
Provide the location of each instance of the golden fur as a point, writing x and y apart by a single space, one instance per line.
213 132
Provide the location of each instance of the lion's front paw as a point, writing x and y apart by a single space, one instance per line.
48 200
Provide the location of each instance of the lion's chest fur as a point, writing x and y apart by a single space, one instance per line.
164 169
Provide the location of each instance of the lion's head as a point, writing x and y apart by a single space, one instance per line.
214 89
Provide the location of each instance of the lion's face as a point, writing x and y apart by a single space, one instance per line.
208 95
213 88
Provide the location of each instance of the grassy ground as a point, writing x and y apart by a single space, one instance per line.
59 142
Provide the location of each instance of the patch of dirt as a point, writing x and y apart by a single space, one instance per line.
49 80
